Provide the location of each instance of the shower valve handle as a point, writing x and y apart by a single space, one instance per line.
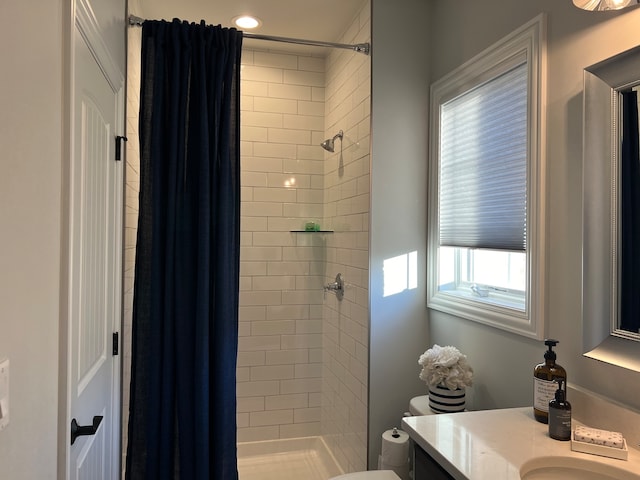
337 287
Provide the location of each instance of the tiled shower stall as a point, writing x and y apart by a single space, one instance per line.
303 355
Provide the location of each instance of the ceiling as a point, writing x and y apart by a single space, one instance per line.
323 20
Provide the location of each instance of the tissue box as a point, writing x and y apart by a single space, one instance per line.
599 442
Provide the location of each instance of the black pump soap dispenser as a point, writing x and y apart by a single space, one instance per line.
560 414
544 387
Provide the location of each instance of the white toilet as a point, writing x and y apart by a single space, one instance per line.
369 475
417 406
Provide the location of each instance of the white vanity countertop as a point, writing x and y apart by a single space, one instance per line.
480 445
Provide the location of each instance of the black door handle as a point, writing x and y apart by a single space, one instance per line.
79 430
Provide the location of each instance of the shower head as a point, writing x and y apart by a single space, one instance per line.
329 142
328 145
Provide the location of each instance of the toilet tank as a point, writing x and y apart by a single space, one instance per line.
420 406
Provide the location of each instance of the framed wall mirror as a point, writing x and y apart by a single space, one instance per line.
610 277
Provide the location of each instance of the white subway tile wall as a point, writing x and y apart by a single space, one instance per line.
302 357
279 348
346 209
132 188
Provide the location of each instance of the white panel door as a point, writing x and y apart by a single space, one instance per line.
96 203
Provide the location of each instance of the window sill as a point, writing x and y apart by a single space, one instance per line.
504 318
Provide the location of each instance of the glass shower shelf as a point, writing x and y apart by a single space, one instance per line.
311 231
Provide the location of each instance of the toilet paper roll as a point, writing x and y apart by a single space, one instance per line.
395 448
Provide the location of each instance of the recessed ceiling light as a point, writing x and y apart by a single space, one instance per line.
247 21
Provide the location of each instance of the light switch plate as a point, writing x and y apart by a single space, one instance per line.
4 393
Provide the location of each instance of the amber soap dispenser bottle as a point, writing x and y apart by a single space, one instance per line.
544 382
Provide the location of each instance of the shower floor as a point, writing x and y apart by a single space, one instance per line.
292 459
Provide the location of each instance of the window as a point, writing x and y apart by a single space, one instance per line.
486 217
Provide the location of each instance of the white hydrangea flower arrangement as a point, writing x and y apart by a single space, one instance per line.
445 367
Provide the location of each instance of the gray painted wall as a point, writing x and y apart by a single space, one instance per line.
576 39
398 332
30 215
414 44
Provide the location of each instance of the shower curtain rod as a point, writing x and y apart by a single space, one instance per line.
358 47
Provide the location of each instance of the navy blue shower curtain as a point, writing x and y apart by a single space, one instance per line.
630 215
185 314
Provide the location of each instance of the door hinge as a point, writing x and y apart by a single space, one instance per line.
119 139
116 343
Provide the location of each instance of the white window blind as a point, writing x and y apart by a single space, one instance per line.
483 165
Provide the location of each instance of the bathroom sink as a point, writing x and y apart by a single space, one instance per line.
572 468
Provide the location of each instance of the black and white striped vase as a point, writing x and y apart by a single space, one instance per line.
443 400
